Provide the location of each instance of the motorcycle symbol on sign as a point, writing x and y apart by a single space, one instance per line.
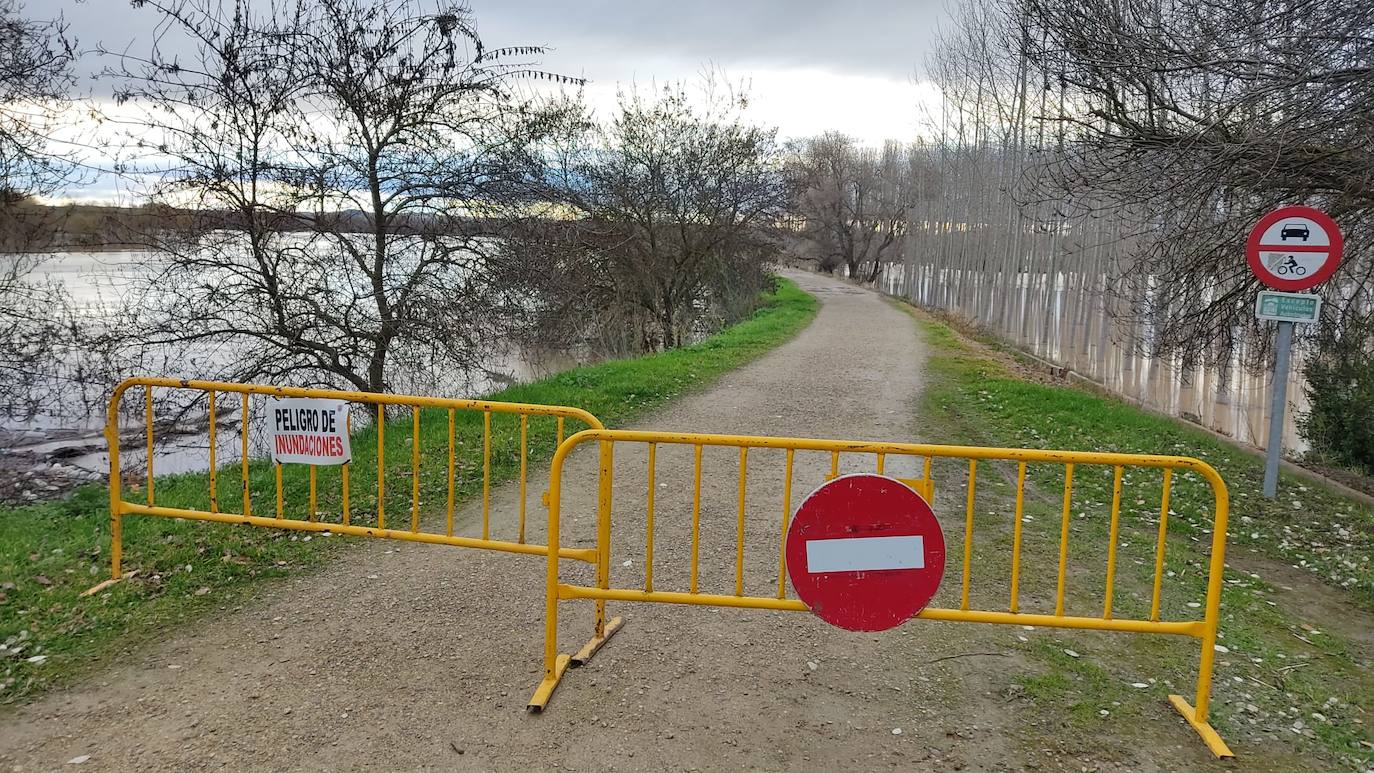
1286 265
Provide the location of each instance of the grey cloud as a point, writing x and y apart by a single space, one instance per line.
878 37
611 39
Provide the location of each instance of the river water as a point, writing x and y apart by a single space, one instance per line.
66 440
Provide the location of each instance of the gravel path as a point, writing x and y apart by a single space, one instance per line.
409 657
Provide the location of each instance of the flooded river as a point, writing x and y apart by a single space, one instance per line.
64 443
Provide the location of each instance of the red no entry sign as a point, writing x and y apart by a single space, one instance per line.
1294 248
865 552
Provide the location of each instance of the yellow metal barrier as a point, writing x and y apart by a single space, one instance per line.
119 507
1204 630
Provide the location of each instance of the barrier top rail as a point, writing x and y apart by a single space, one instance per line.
905 449
382 398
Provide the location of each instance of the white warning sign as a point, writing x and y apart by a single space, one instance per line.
308 430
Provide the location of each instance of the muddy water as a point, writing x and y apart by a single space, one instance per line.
69 437
1065 321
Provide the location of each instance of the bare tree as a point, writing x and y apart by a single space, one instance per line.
665 218
344 158
852 201
1100 163
35 77
1189 121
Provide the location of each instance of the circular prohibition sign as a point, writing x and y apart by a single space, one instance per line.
1294 248
865 552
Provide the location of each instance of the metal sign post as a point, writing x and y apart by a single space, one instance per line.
1291 248
1276 410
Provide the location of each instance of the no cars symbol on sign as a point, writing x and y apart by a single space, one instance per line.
1294 248
865 552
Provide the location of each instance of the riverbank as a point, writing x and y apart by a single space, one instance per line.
51 551
1294 665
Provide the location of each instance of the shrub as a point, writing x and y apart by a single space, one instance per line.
1340 389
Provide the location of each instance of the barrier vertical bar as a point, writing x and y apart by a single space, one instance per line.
452 453
559 440
524 444
486 474
1159 543
344 470
1016 536
696 519
243 432
649 526
381 466
786 521
1111 546
281 504
603 530
605 479
1064 539
313 515
968 530
116 484
834 464
554 664
1214 577
739 537
414 469
148 424
881 458
214 468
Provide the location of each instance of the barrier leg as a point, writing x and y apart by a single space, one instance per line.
554 663
116 523
1205 731
1196 714
116 544
603 630
116 555
596 642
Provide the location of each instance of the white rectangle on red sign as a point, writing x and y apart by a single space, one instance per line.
865 554
307 430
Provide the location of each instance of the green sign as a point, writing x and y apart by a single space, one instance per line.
1287 307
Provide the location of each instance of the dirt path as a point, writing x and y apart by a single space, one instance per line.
402 657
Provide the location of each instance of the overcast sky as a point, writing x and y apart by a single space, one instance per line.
811 65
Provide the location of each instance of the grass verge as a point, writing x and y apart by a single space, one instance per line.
1293 681
51 552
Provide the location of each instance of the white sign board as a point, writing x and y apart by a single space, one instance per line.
1287 307
308 430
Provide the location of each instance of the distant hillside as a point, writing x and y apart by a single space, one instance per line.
27 226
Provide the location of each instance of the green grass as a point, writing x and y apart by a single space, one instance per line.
1308 525
51 552
1275 671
